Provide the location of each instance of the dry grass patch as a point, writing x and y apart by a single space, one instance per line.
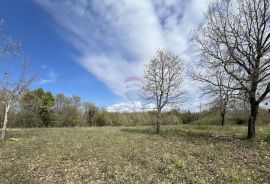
181 154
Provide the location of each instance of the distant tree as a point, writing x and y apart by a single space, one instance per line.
41 102
219 87
102 119
60 101
236 37
68 109
163 79
90 113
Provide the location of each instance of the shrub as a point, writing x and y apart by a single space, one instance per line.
189 117
170 119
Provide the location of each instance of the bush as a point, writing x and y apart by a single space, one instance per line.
170 119
102 119
263 117
189 117
208 119
25 120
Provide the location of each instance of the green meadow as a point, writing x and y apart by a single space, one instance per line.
180 154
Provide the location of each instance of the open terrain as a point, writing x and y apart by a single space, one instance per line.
180 154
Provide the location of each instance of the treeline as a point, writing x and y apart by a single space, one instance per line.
39 108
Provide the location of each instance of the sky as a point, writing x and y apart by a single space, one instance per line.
95 48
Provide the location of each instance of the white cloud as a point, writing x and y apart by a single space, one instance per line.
126 107
136 106
51 78
116 38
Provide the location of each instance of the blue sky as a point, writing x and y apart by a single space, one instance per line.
89 48
51 58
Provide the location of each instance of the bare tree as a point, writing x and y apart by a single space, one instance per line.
11 90
218 86
237 38
163 79
8 47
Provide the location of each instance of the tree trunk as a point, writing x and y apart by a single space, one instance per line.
7 107
252 119
222 121
158 121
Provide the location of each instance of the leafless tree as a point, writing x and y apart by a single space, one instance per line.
219 87
163 79
237 38
8 47
11 89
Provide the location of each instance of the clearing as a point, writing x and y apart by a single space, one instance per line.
181 154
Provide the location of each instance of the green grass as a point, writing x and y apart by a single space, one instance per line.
180 154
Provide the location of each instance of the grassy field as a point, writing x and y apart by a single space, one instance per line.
181 154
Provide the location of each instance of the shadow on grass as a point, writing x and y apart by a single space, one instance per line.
184 133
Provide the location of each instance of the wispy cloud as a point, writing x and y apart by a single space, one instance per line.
50 78
116 38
